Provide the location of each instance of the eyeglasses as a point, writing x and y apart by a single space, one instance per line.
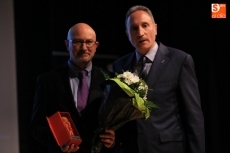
89 43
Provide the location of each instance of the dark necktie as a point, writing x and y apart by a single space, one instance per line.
144 70
83 91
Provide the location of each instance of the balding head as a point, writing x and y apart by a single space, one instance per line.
79 29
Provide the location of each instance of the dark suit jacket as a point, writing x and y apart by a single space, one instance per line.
53 93
177 126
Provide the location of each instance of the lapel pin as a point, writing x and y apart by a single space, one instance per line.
162 61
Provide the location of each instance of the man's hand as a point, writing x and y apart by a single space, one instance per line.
108 138
69 148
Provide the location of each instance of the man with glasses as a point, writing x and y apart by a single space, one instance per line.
59 89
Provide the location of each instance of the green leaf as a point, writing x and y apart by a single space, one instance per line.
106 75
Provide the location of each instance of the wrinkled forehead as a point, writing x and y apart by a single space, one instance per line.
138 17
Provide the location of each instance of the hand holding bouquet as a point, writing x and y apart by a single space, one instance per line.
125 99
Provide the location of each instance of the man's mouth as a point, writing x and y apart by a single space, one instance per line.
83 52
141 41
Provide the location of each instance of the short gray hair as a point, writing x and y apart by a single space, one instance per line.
138 8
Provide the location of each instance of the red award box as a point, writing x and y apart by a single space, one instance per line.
64 129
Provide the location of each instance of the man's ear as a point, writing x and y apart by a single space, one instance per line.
67 44
97 44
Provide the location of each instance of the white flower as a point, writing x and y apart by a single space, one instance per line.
135 79
128 77
134 82
138 88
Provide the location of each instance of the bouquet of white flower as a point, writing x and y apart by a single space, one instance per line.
125 99
137 89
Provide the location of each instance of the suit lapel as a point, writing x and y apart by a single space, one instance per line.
95 85
127 66
66 89
159 63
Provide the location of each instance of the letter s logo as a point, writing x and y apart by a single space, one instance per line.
215 8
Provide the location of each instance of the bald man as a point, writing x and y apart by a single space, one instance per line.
57 91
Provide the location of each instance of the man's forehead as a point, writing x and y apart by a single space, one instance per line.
139 15
84 36
88 37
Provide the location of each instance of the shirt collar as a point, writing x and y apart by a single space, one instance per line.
74 70
150 55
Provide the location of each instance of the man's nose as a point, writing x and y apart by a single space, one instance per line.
140 32
83 46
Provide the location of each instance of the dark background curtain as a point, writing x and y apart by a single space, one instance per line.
41 28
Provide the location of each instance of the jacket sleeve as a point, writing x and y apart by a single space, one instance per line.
192 115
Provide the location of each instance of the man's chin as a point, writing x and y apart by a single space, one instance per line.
143 50
85 59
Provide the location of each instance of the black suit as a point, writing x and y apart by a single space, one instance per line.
53 93
177 126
